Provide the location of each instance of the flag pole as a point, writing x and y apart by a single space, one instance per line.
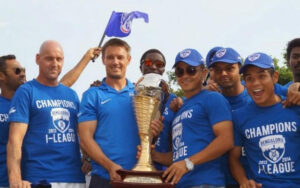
103 36
101 41
99 46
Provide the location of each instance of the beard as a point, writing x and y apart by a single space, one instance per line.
115 77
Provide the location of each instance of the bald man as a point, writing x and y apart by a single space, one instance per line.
42 141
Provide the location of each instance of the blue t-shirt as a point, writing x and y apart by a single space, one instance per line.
280 90
116 132
192 131
271 139
288 84
236 102
4 108
163 141
239 101
50 148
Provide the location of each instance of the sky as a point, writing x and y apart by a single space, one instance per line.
248 26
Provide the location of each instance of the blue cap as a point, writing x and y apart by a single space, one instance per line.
258 59
189 56
211 54
226 55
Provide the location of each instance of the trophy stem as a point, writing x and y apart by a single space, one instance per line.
145 161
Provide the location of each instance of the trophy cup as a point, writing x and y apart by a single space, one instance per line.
146 104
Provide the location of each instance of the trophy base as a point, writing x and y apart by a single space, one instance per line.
140 179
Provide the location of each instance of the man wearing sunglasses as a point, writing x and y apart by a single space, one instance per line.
42 141
12 75
201 129
153 61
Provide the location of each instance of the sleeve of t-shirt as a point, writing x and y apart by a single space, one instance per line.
218 108
280 90
77 103
87 109
20 105
236 130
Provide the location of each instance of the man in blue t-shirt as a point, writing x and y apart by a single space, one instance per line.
107 125
201 129
43 127
225 65
268 132
12 75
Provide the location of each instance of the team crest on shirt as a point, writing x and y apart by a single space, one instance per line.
60 119
185 53
220 53
177 135
272 147
254 57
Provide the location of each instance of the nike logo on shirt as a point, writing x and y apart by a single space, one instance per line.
12 110
105 101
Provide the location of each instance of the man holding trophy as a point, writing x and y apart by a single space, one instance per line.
107 126
201 129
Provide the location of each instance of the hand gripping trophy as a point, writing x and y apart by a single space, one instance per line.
146 103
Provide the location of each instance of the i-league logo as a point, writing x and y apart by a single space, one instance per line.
60 119
272 147
126 21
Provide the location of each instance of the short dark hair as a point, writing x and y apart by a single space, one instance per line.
149 52
115 42
292 44
270 70
3 60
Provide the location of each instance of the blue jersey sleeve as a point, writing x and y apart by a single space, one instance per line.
280 90
20 105
87 109
77 103
218 108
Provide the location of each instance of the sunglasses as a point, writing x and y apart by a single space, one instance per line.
18 70
158 63
190 70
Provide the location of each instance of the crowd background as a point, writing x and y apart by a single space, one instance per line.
247 26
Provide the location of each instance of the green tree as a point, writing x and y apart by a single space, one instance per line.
285 74
172 82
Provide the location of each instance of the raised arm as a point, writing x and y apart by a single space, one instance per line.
71 77
89 145
17 132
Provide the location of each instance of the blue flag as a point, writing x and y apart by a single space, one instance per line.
119 24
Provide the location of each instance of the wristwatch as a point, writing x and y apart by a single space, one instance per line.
189 164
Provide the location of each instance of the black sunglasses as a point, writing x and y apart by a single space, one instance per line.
18 70
190 70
